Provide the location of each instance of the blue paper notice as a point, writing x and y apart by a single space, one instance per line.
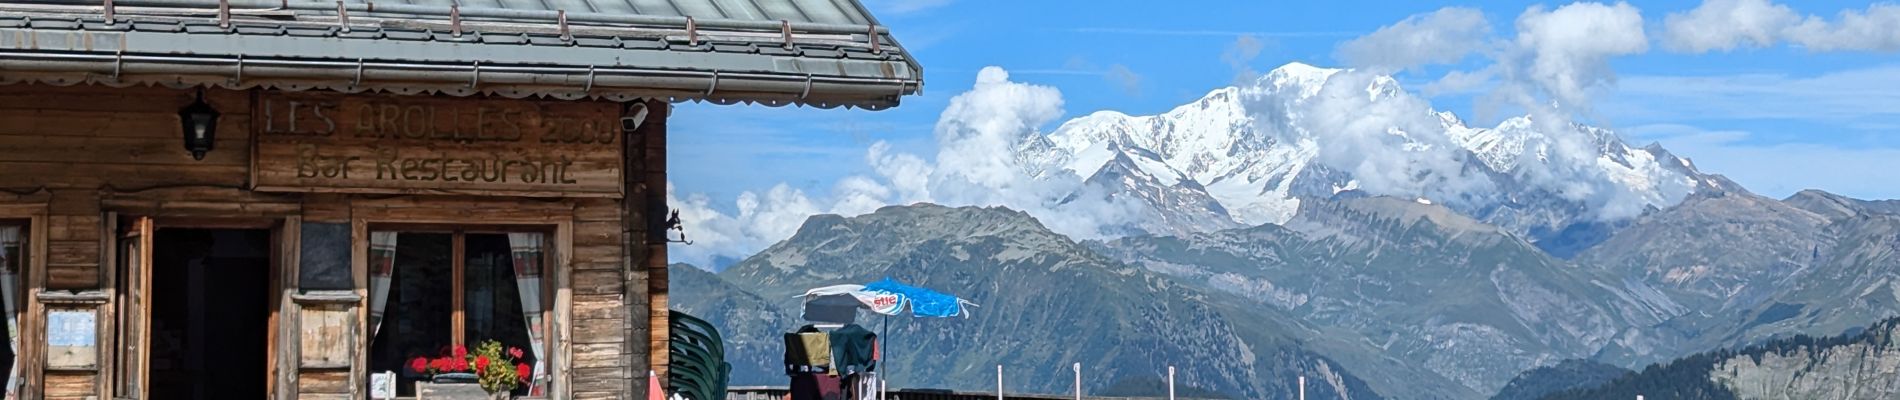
71 328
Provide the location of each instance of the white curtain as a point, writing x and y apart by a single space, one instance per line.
382 265
10 264
526 249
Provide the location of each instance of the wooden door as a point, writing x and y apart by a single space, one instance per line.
135 285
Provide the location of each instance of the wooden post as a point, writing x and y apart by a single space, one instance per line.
643 211
658 319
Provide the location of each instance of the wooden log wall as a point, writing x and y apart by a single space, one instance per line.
84 152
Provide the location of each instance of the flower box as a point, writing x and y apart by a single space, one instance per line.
455 391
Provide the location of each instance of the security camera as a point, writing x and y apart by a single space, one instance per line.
636 115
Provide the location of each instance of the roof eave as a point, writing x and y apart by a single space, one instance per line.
72 49
552 81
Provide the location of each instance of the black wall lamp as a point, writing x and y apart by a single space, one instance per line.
200 123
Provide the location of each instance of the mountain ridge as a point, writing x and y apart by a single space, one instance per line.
1036 289
1461 298
1260 149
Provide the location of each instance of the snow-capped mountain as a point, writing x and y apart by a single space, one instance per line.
1301 133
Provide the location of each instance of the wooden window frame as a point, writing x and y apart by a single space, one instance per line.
458 261
558 245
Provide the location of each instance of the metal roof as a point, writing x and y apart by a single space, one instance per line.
823 53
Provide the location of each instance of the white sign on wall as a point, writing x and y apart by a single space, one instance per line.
72 339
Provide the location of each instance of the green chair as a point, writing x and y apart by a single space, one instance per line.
698 370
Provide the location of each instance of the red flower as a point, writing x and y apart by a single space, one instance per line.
461 351
440 364
419 364
514 352
524 372
481 363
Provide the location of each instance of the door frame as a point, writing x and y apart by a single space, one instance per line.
281 263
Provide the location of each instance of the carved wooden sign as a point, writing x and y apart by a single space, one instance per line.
372 143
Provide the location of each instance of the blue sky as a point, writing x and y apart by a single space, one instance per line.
1777 118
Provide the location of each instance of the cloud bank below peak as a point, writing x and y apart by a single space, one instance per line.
976 134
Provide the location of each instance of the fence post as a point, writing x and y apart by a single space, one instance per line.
1170 382
999 381
1078 381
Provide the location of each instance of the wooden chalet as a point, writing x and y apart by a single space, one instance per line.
280 198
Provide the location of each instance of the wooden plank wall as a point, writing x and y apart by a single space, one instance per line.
614 293
128 138
602 361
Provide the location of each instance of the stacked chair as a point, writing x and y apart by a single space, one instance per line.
699 370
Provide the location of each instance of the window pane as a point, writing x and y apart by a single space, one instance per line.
418 318
493 297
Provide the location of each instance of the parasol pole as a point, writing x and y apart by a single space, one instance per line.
885 348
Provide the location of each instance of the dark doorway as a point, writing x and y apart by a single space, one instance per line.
210 313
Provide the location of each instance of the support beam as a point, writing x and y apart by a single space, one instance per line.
644 213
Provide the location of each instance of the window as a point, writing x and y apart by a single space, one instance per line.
431 291
13 246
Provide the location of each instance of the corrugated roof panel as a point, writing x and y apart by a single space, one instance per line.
481 3
655 7
443 3
777 10
573 5
522 4
614 7
740 9
700 9
596 42
823 11
504 39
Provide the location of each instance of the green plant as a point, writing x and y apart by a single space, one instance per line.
497 371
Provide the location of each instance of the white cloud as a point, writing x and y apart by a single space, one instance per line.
1557 62
989 121
1723 25
1457 82
1388 139
908 173
1440 37
1566 51
1875 29
979 136
1727 24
